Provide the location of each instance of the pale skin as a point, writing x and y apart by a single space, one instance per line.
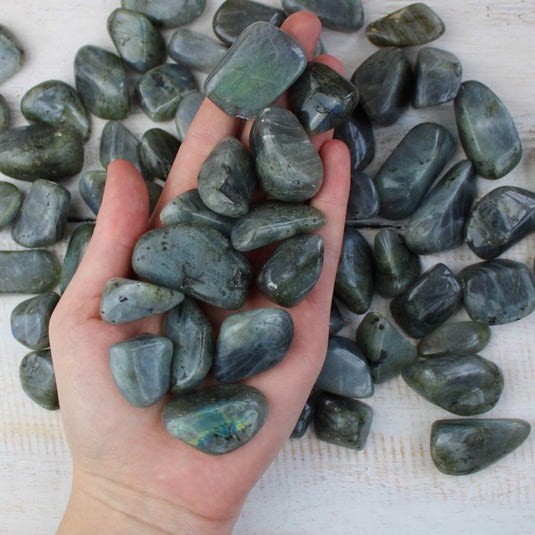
129 475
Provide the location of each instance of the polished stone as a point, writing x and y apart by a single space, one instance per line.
91 188
5 117
76 248
38 380
363 201
185 112
168 13
347 16
154 190
10 203
11 54
304 419
336 320
117 142
158 151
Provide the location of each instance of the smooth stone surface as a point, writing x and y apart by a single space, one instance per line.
500 219
438 75
342 421
386 349
363 201
384 81
354 277
465 385
292 270
251 342
58 104
100 79
138 42
347 16
345 371
76 248
42 218
428 302
11 54
304 419
487 131
211 271
5 118
40 151
29 320
288 166
273 221
117 142
168 13
258 68
28 272
37 378
185 112
498 291
91 188
193 345
438 223
336 320
10 202
464 446
411 169
158 151
160 90
227 178
217 419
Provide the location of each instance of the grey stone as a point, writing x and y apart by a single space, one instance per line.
185 112
168 13
11 54
75 251
158 150
91 188
363 201
38 380
10 203
5 117
117 142
347 16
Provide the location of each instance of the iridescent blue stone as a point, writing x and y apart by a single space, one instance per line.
168 13
38 380
185 112
11 54
75 251
91 188
118 143
363 201
5 118
346 16
10 203
157 151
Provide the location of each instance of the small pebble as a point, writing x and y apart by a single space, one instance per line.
38 380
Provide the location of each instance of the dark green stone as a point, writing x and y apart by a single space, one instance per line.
154 190
37 378
363 201
336 320
185 112
168 13
11 54
91 188
5 118
118 143
158 151
345 16
10 202
75 251
304 419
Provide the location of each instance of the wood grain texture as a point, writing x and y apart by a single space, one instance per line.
312 487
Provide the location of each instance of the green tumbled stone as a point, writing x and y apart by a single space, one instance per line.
168 13
158 151
91 187
11 54
37 378
118 143
75 251
10 202
185 112
5 118
345 16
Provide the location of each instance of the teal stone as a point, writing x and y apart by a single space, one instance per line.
211 271
258 68
38 380
304 419
342 421
193 345
438 224
251 342
158 152
412 25
217 419
168 13
385 348
186 111
40 151
465 446
5 118
11 54
91 188
58 104
10 203
292 270
76 249
160 90
345 16
498 291
336 320
411 169
138 42
29 320
100 79
28 272
273 221
487 131
42 218
287 164
363 201
141 368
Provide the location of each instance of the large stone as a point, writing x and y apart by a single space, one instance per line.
346 16
11 54
168 13
75 251
38 380
10 203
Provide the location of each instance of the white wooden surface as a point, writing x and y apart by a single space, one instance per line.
312 487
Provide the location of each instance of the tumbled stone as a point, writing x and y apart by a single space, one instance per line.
273 221
347 16
185 112
287 164
498 291
118 143
5 118
58 104
258 68
304 419
292 270
345 371
487 131
29 320
363 201
40 151
38 380
91 188
336 320
42 218
464 446
168 13
75 251
465 385
154 190
212 271
438 223
217 419
100 79
158 151
11 54
10 202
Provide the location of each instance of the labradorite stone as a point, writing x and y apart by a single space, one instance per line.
227 178
91 187
464 446
288 166
58 104
217 419
158 151
363 201
251 342
273 221
498 291
75 251
193 354
345 16
40 151
118 143
100 79
29 320
292 270
211 270
258 68
168 13
185 112
487 131
5 118
137 41
304 419
438 224
11 54
36 373
336 320
10 202
42 218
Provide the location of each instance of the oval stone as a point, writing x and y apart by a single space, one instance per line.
91 188
10 202
38 380
168 13
347 16
11 54
75 251
158 151
5 117
185 112
118 143
363 201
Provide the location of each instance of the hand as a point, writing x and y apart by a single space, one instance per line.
129 475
